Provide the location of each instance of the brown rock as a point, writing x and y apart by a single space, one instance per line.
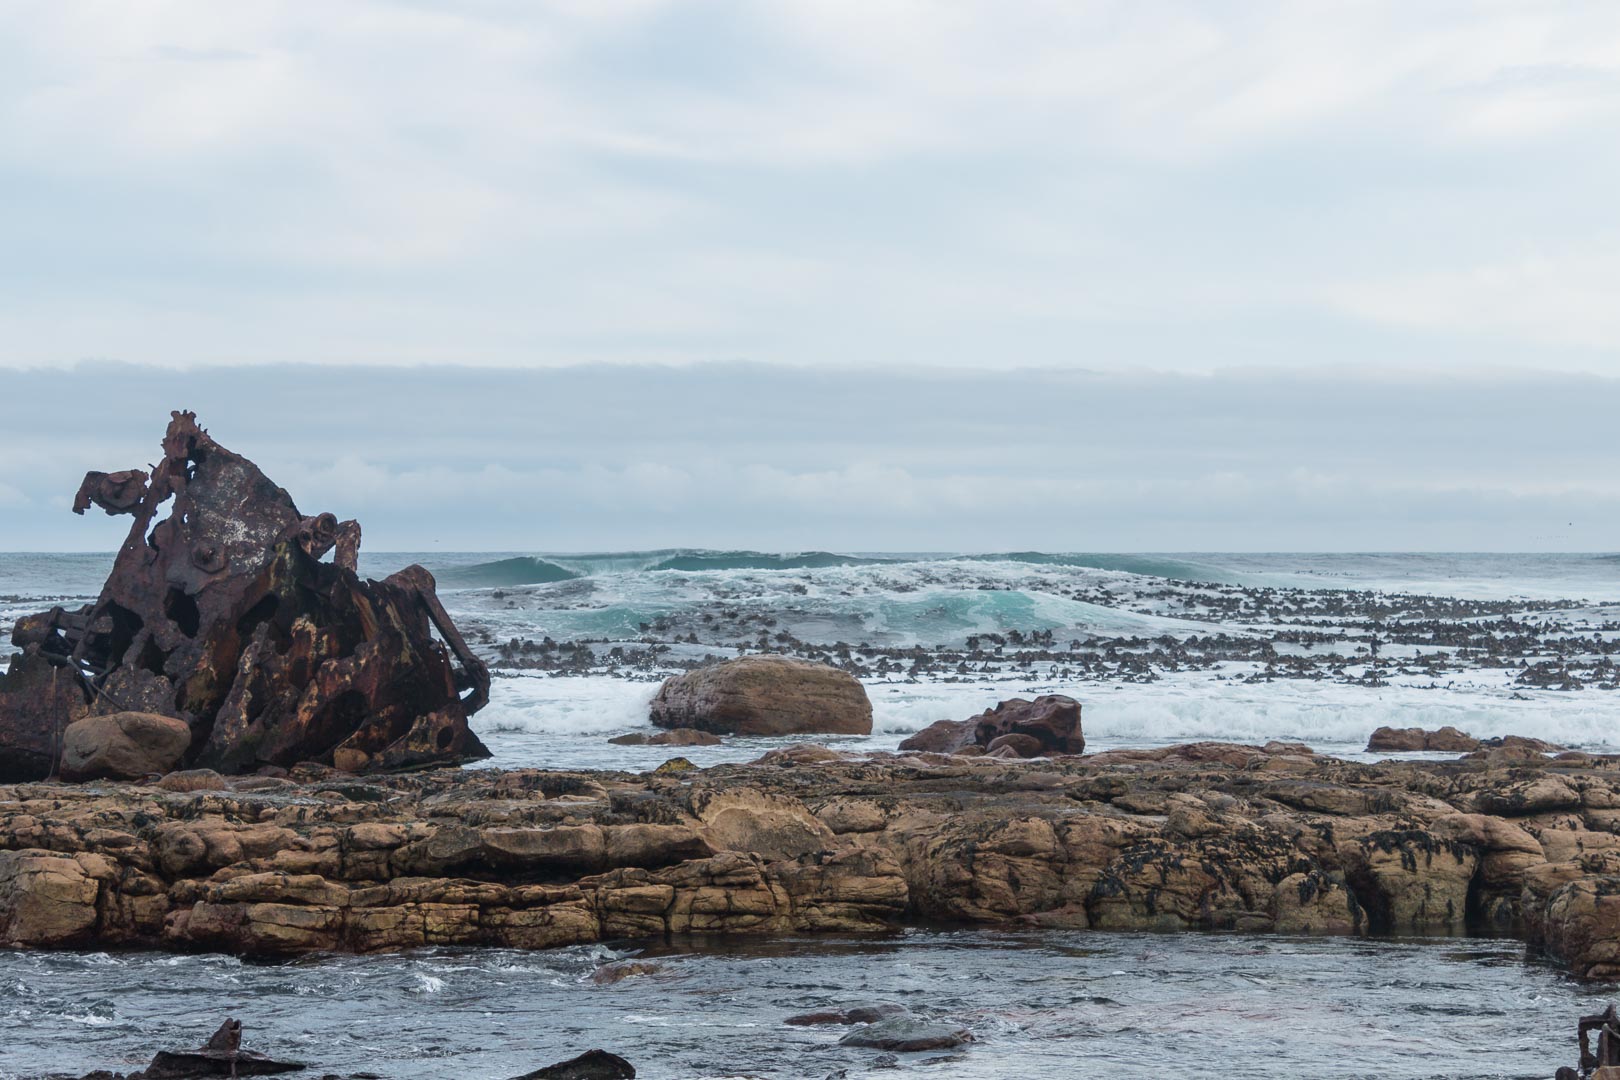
1048 725
193 780
1388 740
46 900
765 695
123 746
677 737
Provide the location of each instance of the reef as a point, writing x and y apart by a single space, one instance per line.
224 616
1206 836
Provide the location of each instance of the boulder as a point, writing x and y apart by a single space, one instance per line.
591 1065
1048 725
905 1034
765 695
1388 740
123 746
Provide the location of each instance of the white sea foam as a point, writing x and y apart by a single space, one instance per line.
564 722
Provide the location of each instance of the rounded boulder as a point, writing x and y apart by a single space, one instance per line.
123 746
765 695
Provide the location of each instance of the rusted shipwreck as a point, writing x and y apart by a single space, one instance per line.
227 615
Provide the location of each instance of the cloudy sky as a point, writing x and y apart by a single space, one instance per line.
874 273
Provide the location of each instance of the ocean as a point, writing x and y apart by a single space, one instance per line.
1159 648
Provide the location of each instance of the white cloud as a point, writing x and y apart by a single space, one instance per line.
813 181
1559 300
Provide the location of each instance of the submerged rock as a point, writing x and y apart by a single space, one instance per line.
904 1034
591 1065
677 737
765 695
222 1055
1015 728
856 1014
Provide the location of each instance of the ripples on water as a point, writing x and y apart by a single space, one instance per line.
1046 1005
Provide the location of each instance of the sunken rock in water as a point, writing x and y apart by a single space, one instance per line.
1016 728
676 737
1388 740
591 1065
223 617
904 1034
765 695
123 746
858 1014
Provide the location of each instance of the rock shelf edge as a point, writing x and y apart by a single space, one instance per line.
1210 836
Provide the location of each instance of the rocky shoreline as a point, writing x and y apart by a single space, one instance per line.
1205 836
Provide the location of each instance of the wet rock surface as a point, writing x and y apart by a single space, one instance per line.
1048 725
907 1035
764 695
591 1065
1389 740
1203 836
222 617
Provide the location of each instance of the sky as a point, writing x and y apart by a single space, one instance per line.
933 237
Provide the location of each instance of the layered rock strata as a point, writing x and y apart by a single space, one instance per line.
1210 835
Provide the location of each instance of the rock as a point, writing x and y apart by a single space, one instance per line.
223 617
677 737
222 1055
941 737
193 780
1208 836
1018 744
803 754
591 1065
1388 740
608 974
47 900
907 1035
857 1014
674 766
123 746
1048 725
765 695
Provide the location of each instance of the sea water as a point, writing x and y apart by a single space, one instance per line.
1358 641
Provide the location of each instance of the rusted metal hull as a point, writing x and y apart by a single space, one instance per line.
224 615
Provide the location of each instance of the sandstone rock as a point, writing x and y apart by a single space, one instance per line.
123 746
46 900
904 1034
1204 836
1388 740
193 780
749 820
765 695
1048 725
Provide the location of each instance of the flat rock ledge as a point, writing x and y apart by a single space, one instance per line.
1206 836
